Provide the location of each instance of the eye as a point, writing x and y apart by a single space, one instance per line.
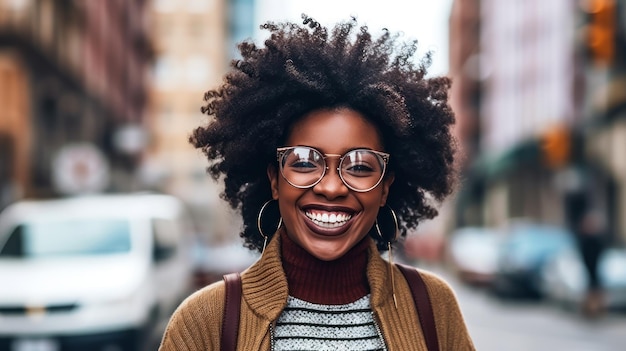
304 160
361 163
359 169
303 165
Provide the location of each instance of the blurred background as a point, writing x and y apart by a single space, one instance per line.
99 97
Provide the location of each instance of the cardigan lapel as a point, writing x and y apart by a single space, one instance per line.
264 284
380 284
398 324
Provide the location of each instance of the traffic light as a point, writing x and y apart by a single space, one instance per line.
556 146
601 30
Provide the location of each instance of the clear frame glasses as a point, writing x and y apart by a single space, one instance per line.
360 170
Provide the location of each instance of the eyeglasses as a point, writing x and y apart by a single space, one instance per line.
360 170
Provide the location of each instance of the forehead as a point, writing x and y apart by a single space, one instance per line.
335 131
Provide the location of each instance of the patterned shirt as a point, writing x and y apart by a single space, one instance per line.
307 326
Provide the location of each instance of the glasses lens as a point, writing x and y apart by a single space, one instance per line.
362 169
302 166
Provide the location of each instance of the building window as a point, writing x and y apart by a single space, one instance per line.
165 6
166 72
198 6
198 71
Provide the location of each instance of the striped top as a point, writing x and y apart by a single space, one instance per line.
308 326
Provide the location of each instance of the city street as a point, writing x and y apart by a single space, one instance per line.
513 326
140 142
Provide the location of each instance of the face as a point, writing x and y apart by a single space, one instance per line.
334 131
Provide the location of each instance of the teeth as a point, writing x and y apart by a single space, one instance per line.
328 220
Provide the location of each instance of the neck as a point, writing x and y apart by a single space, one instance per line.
340 281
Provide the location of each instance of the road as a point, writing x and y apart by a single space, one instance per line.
520 326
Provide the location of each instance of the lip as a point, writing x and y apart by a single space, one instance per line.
328 231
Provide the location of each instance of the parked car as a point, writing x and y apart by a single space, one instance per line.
91 273
564 279
211 262
524 251
473 254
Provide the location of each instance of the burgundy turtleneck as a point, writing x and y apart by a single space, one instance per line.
341 281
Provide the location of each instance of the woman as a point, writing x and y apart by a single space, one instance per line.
319 136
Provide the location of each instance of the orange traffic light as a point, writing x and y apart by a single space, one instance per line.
601 30
556 146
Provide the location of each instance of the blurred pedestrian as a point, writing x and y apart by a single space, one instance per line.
589 226
591 241
330 142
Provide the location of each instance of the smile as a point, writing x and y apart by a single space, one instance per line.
328 219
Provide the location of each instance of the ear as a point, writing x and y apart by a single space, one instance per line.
272 174
387 181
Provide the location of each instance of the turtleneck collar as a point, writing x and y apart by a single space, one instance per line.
341 281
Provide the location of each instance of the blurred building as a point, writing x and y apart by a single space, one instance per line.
73 91
603 39
539 98
194 45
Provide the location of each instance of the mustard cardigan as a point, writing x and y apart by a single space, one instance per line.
196 323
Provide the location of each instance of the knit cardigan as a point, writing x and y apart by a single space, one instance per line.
196 323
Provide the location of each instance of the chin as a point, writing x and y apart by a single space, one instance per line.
326 252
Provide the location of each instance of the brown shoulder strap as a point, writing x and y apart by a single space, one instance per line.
232 306
422 303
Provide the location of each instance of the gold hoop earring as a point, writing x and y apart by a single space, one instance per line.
259 225
390 239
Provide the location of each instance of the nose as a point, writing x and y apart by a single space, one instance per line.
331 186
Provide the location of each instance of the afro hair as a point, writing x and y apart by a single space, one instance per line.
305 67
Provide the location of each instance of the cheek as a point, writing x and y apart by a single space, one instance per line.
375 198
372 203
287 195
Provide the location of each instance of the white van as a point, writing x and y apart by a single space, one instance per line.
91 273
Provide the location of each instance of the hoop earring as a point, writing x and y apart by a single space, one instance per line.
259 225
396 228
390 239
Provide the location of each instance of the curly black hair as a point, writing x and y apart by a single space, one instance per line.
306 67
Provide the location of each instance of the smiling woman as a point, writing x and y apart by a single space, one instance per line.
352 194
330 143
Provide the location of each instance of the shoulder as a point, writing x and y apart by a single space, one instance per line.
437 285
196 321
434 283
440 292
449 320
207 300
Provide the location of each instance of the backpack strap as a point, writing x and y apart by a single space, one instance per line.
232 307
423 305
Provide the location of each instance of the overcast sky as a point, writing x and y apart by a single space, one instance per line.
424 20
